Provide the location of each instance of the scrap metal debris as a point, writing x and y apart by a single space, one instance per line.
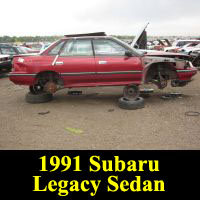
192 114
146 91
43 113
171 95
74 130
75 92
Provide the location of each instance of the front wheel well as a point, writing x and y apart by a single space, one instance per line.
164 69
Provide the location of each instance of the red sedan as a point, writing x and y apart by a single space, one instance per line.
97 60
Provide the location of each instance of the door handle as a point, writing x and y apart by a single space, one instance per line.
59 63
102 62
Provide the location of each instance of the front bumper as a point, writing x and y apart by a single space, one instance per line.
186 74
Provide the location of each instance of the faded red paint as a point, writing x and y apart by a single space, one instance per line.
85 71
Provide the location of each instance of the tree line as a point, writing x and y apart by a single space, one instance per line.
23 39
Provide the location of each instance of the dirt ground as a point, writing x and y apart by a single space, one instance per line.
101 124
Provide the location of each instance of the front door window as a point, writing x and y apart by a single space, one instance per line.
105 47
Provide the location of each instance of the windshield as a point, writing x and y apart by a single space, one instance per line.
135 51
50 45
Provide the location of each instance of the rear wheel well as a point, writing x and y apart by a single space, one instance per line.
46 76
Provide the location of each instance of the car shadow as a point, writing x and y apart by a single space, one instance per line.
110 99
91 98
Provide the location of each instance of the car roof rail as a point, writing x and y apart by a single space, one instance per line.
87 34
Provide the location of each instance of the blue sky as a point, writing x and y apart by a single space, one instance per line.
120 17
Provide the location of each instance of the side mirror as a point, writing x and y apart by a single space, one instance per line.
136 46
128 53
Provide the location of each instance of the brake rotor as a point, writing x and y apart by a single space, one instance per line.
50 87
131 92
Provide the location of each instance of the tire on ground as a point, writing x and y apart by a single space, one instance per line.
131 104
38 98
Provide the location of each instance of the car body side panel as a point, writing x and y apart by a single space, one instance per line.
22 78
76 70
117 70
186 75
25 73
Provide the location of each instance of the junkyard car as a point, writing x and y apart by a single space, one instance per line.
179 44
7 53
5 63
7 49
97 60
195 56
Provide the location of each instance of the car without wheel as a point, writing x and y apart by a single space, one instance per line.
90 60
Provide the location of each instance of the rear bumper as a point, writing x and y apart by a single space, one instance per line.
22 78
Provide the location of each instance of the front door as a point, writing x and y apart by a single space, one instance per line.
113 67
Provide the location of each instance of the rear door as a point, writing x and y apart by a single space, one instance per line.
113 67
76 63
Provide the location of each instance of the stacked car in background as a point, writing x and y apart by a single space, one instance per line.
9 51
5 63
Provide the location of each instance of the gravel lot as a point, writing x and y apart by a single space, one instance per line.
162 124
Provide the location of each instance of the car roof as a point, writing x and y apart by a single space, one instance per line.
95 35
87 34
87 37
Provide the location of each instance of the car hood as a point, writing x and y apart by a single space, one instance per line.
161 54
138 40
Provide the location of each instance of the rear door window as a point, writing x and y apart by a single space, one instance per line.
77 48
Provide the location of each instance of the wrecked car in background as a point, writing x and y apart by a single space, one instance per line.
172 51
90 60
179 44
195 57
7 49
8 52
5 63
